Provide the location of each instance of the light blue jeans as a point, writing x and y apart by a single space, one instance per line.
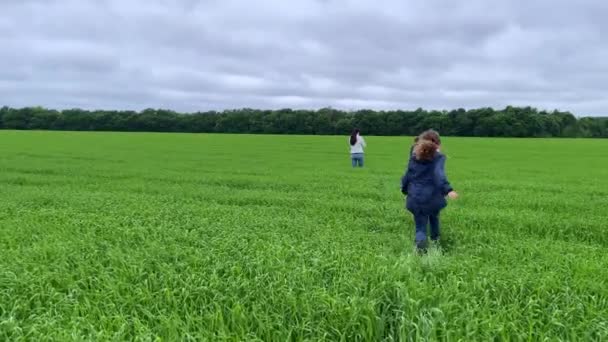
357 159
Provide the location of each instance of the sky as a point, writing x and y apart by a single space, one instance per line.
189 55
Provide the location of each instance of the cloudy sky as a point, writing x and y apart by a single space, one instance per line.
191 55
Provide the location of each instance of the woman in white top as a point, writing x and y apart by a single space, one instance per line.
357 143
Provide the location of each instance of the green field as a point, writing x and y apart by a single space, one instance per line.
108 236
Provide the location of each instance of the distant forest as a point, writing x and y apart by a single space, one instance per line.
481 122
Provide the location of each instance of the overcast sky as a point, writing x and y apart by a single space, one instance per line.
190 55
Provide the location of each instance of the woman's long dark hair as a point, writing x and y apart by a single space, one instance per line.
353 137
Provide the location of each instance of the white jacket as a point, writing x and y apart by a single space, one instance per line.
358 146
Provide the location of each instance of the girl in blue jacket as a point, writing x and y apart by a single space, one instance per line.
426 187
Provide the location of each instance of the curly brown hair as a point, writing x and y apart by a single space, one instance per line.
425 149
430 135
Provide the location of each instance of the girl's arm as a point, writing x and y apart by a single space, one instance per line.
362 141
405 182
441 180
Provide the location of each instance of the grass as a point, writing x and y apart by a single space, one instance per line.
108 236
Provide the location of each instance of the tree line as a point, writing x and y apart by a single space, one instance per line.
480 122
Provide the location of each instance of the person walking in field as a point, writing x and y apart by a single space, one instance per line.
357 144
426 186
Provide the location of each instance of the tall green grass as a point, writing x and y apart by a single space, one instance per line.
272 238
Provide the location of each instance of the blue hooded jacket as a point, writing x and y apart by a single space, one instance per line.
425 185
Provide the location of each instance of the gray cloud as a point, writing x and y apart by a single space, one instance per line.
191 55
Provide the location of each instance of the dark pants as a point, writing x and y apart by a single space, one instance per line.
421 224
